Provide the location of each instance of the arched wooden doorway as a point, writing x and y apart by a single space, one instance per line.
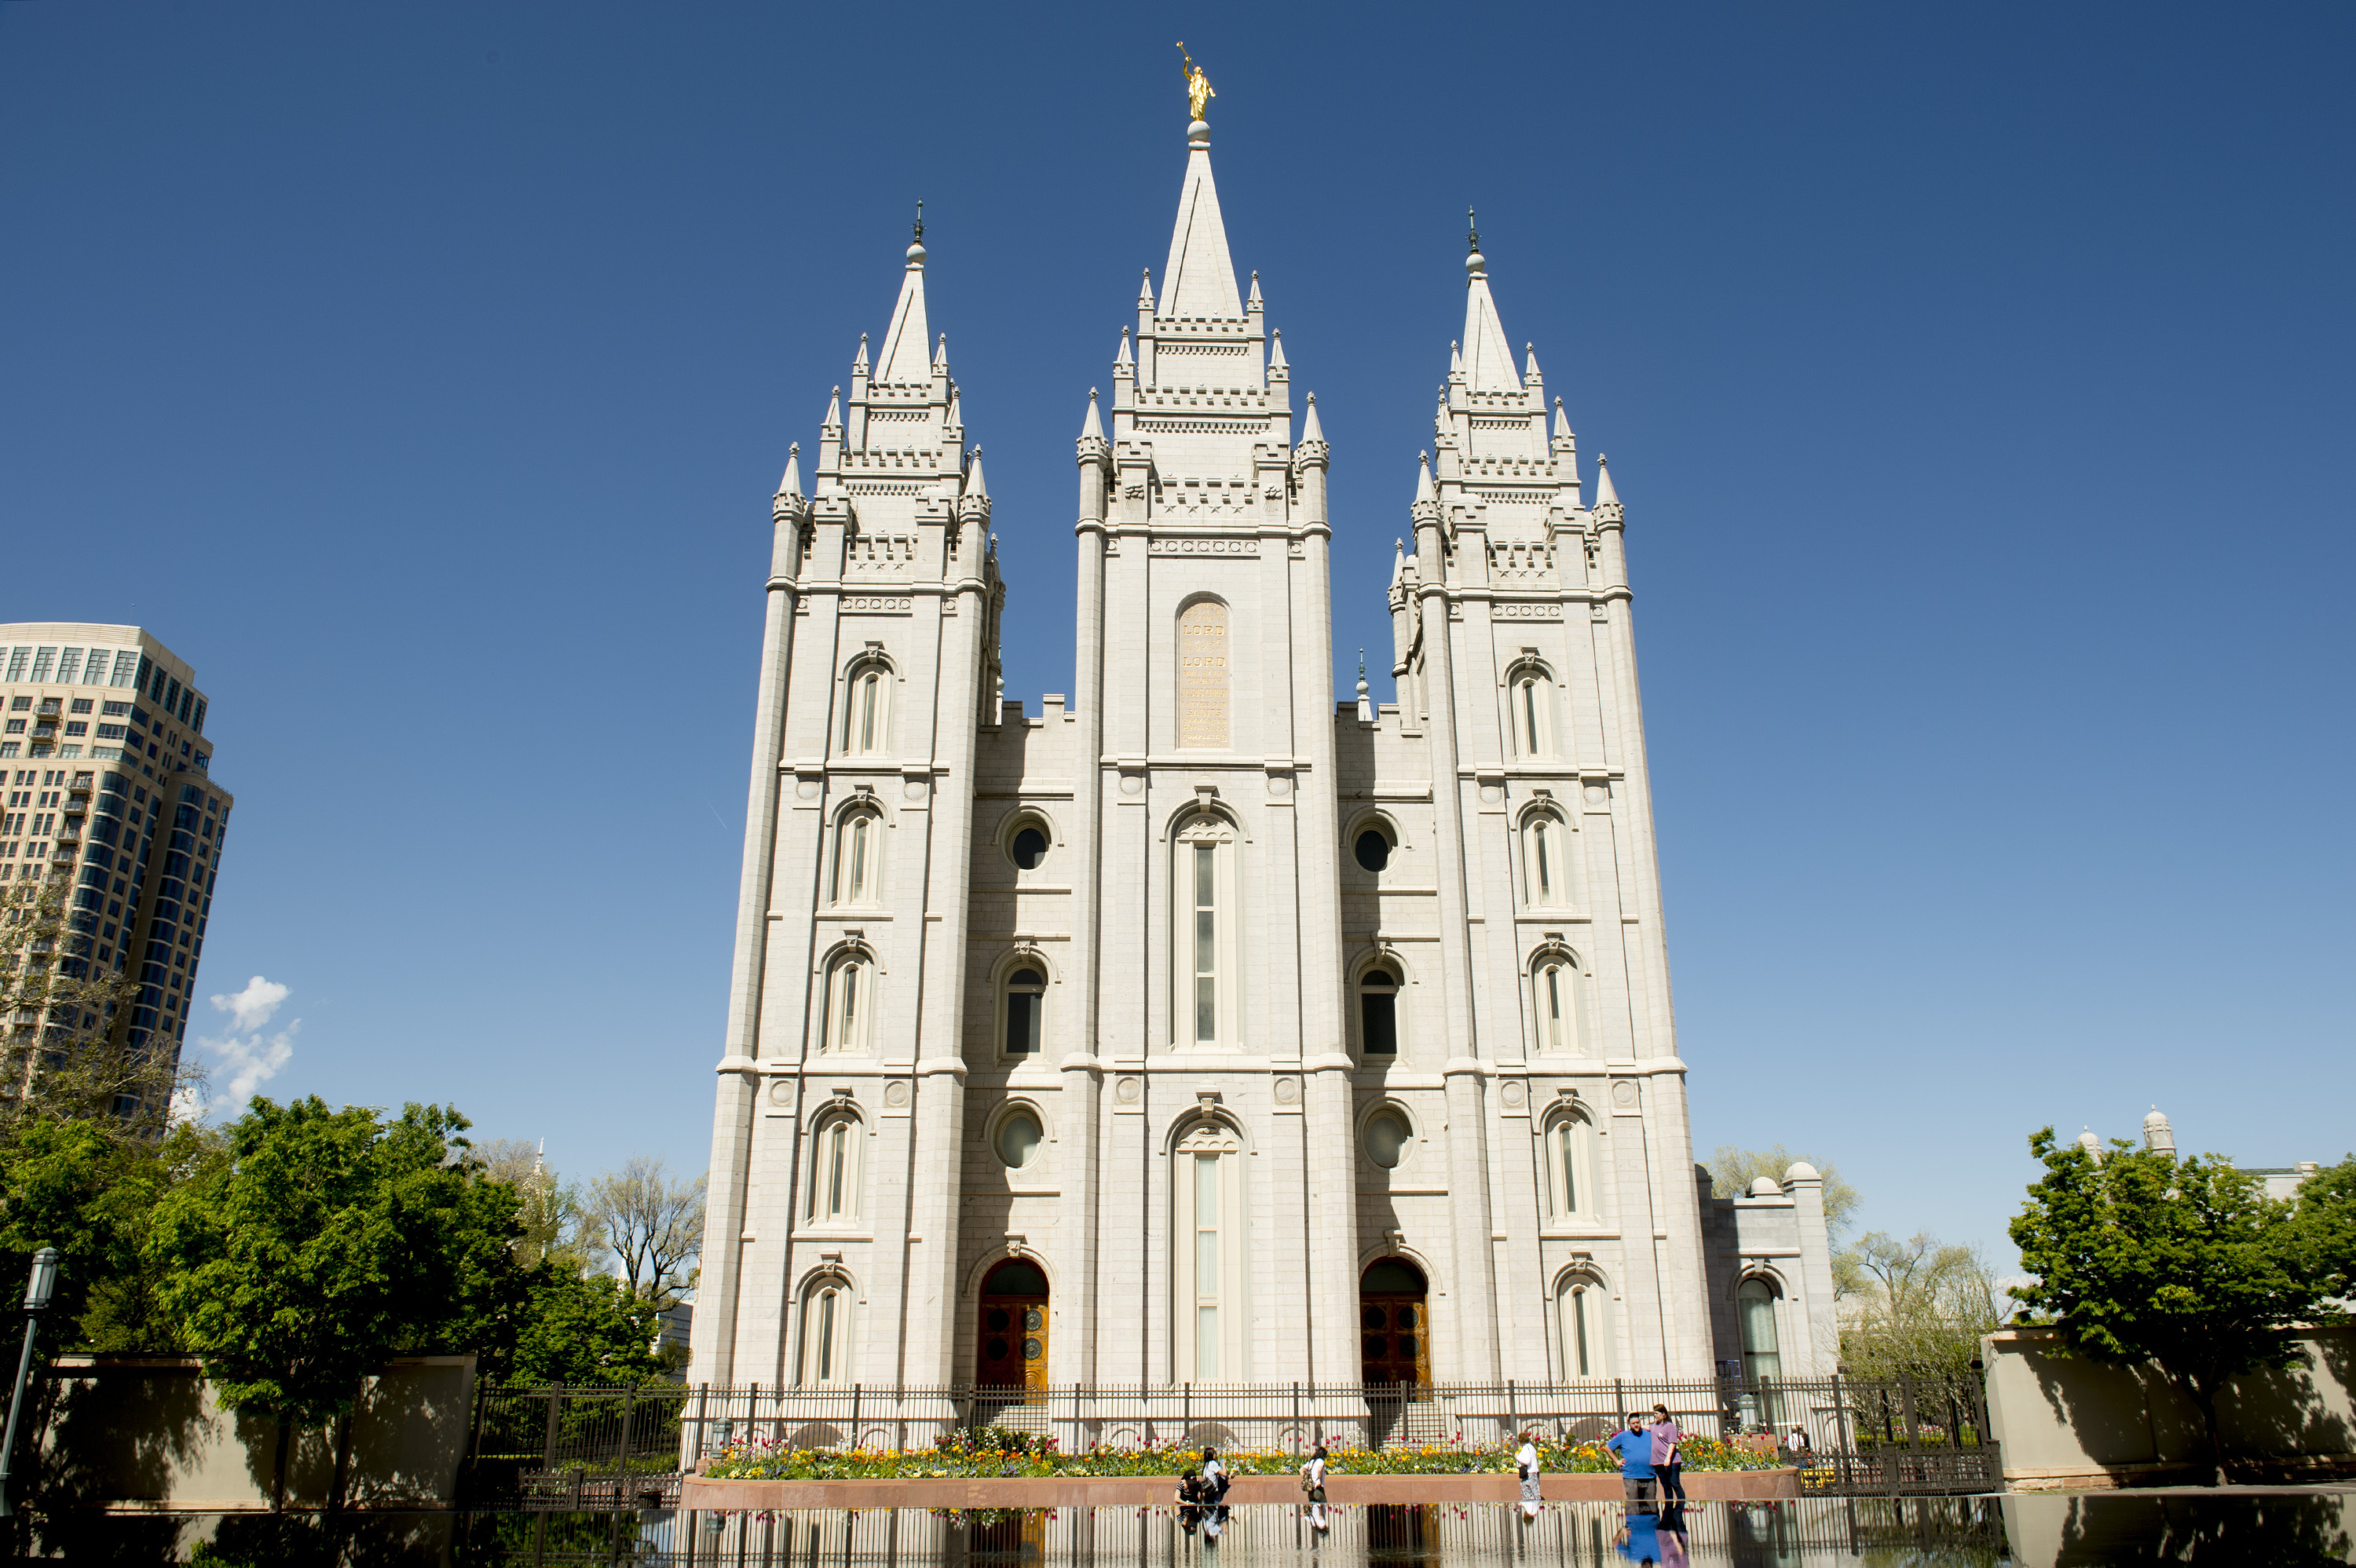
1394 1325
1010 1350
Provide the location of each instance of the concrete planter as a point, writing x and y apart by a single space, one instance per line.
1141 1491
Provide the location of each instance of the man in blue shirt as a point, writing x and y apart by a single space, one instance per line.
1634 1446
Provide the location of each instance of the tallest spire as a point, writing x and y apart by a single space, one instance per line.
1200 279
1488 362
907 351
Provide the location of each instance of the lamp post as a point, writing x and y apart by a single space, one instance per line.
38 1291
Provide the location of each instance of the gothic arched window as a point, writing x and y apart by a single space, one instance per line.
1203 947
834 1169
858 849
1378 1012
1546 860
1555 1003
1208 1269
826 1332
867 708
849 1003
1023 1010
1569 1166
1582 1321
1529 710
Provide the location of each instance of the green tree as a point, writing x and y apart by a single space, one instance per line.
2185 1265
2325 1226
1920 1306
584 1328
327 1241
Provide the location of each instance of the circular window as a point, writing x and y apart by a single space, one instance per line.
1029 847
1374 849
1387 1138
1018 1139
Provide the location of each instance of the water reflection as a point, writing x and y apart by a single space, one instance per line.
2035 1531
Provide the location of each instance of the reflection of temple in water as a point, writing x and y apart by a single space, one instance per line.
1192 1028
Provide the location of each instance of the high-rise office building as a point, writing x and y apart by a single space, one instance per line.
109 789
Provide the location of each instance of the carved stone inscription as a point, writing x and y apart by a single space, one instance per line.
1203 675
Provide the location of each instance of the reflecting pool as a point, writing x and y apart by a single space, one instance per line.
2034 1530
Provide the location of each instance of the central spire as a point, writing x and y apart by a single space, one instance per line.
1200 279
907 356
1488 362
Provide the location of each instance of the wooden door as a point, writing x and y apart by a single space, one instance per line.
1394 1325
1009 1348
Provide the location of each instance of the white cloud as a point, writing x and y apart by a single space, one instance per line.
254 1005
245 1058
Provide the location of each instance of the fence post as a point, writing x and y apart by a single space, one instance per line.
622 1445
1841 1443
548 1446
856 1390
1513 1411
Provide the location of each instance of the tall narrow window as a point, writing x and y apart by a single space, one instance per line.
1205 993
1026 996
1754 1310
1580 1323
826 1332
866 710
1554 981
1545 865
1206 943
1530 704
849 1002
1568 1182
1378 1012
1212 1313
856 842
834 1169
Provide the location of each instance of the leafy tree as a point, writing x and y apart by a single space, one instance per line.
327 1241
1920 1306
2142 1259
584 1328
2326 1227
65 1053
652 1225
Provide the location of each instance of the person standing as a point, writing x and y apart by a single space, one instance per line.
1797 1445
1637 1483
1668 1458
1312 1486
1215 1487
1526 1459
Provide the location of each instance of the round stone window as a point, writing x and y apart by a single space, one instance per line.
1029 846
1374 849
1388 1137
1018 1139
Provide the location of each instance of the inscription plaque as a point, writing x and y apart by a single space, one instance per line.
1203 675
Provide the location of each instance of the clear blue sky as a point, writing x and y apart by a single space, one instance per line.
1977 380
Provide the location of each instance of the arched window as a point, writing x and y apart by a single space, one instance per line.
849 1003
867 708
1204 951
1569 1166
1582 1321
1026 1002
1207 1272
1555 1004
1754 1312
826 1332
834 1169
1546 860
858 847
1378 1012
1529 703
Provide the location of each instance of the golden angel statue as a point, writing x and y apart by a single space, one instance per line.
1199 92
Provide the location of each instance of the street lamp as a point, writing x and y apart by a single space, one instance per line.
38 1292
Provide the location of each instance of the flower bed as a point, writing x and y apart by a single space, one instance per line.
995 1452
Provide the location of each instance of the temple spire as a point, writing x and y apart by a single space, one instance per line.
1488 362
791 485
1200 279
1605 495
1094 427
1309 429
906 357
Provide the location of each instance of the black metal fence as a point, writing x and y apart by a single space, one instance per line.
575 1449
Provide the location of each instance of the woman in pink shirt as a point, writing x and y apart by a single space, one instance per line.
1668 1463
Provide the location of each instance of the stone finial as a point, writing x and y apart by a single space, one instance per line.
2157 1134
2091 1145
